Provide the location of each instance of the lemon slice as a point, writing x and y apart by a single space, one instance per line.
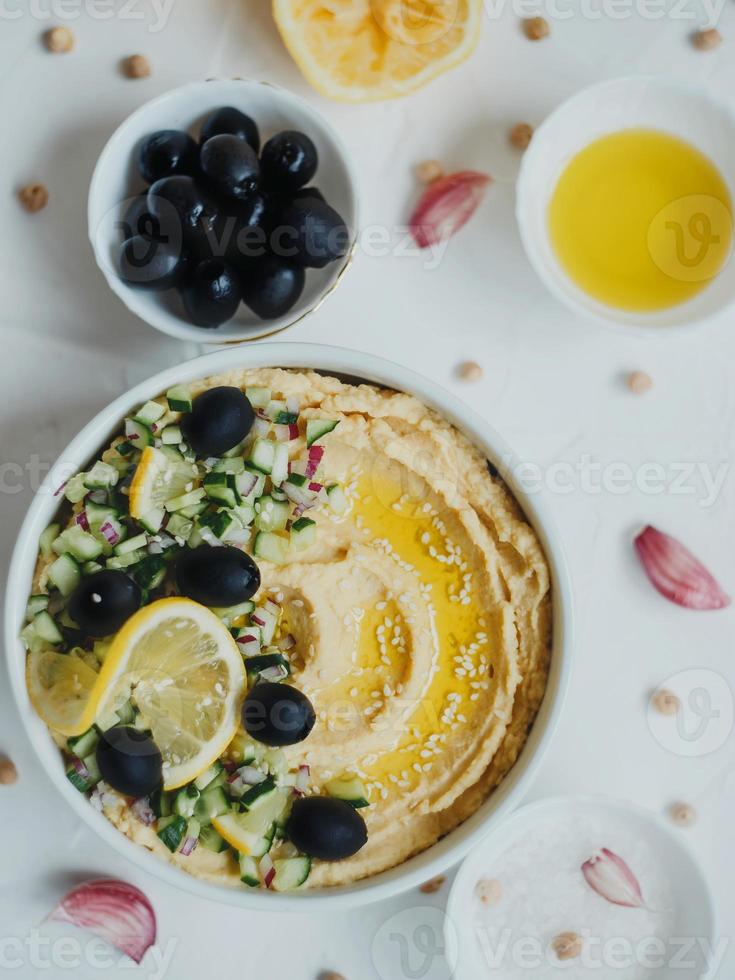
361 50
184 673
251 833
61 687
158 478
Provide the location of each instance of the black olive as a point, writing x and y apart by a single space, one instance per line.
310 232
147 264
231 120
326 828
230 165
103 601
217 576
211 293
129 761
165 153
220 419
137 219
271 286
289 160
184 212
277 714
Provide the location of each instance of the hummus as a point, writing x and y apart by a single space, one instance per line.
422 621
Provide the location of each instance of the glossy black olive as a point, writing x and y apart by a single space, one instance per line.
184 211
326 828
137 220
288 161
103 601
220 419
310 232
232 121
217 576
277 714
271 286
306 192
129 761
245 231
147 264
211 293
230 165
165 153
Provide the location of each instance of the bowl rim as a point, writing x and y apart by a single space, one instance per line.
537 809
611 321
328 359
182 330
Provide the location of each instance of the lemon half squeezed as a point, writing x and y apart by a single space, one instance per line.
363 50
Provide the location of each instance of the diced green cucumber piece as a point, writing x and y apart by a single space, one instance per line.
286 417
208 776
270 514
115 527
125 561
90 567
84 744
221 487
248 489
243 750
138 433
212 803
209 838
337 499
179 526
272 547
161 802
303 533
80 780
290 873
350 789
193 511
256 796
47 538
79 543
219 523
153 520
262 455
316 428
266 661
233 466
132 544
125 448
228 614
258 397
126 713
179 399
249 874
150 572
185 801
101 476
171 435
297 479
245 513
46 629
279 470
171 831
64 574
150 412
185 500
99 513
75 489
36 604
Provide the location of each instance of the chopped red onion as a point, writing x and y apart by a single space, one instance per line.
267 870
60 488
316 453
287 642
251 776
142 810
155 548
81 520
188 846
109 533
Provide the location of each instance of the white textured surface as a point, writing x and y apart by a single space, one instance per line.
552 387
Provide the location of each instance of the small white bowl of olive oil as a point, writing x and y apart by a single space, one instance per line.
625 204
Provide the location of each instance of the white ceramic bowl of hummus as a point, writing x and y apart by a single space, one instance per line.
116 181
329 361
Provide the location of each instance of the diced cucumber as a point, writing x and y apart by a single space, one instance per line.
75 490
337 499
257 795
97 514
153 520
47 538
219 523
270 514
82 781
193 829
171 831
150 572
212 803
185 801
249 874
303 533
125 448
90 567
64 574
286 418
125 561
179 526
228 614
266 618
258 397
350 789
79 543
250 485
179 399
290 873
84 744
209 838
138 433
297 479
101 476
36 604
272 547
161 803
46 629
233 466
185 500
274 408
316 428
267 661
245 513
126 713
132 544
210 773
112 527
243 750
221 487
262 455
171 435
150 412
279 470
194 510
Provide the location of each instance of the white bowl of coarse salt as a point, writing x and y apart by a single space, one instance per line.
582 888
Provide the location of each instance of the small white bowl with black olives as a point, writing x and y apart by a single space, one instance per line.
262 250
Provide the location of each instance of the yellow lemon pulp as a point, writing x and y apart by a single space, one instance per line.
641 220
158 478
63 690
360 50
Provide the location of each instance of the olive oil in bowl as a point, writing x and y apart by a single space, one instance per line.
641 220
